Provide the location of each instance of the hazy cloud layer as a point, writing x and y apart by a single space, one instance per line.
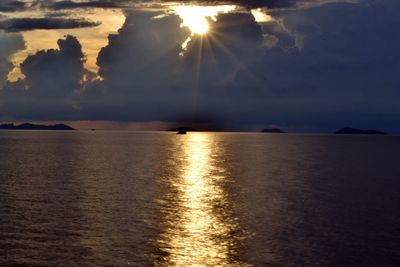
82 4
26 24
69 4
327 67
15 5
270 4
11 5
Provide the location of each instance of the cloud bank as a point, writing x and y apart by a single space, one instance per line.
323 68
11 5
26 24
69 4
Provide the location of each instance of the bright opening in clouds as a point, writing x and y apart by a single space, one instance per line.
196 17
260 15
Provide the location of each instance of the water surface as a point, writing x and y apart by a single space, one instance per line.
204 199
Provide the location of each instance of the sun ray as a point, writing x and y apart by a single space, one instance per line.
197 76
197 19
213 58
240 64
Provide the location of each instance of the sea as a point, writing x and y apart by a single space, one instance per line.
109 198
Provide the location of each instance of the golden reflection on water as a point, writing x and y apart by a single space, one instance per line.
199 224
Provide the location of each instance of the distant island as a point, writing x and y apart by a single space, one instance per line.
272 130
348 130
30 126
183 129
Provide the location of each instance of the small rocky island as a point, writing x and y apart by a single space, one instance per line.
348 130
272 130
30 126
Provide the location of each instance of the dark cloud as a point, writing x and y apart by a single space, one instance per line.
9 44
133 73
73 4
340 74
14 5
343 73
53 78
146 79
220 75
11 5
26 24
55 72
327 67
129 3
254 3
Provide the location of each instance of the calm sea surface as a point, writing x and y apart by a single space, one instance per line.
204 199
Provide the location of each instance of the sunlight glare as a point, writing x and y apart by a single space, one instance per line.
199 215
196 17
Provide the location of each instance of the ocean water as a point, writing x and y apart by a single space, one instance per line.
203 199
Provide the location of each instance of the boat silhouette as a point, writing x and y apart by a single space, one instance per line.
181 131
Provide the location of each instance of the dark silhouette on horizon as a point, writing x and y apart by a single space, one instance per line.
349 130
186 129
272 130
181 131
30 126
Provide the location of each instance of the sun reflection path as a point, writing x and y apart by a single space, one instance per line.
199 220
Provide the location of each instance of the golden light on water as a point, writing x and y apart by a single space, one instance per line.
199 222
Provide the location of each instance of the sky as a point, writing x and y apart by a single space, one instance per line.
302 65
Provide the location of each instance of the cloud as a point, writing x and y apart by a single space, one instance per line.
265 3
82 4
344 74
141 57
145 78
9 44
130 3
52 79
27 24
15 5
341 74
11 5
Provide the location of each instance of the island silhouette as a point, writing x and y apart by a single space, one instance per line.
349 130
272 130
30 126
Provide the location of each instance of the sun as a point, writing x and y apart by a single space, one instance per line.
196 18
198 27
193 18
